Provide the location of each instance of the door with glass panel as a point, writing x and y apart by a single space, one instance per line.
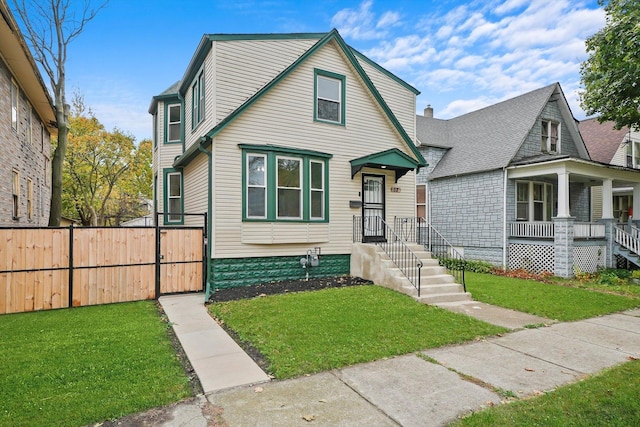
373 208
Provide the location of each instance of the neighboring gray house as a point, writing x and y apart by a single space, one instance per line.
510 184
616 147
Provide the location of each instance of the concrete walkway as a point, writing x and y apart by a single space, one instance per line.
407 390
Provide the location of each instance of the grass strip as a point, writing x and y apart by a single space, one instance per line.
609 398
308 332
85 365
542 299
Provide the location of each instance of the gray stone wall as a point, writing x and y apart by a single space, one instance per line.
16 152
531 145
467 211
579 201
432 155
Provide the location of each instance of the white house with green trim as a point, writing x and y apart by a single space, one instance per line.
284 139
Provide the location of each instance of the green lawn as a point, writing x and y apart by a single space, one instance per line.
607 399
73 367
546 300
309 332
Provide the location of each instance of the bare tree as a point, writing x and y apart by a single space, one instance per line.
50 26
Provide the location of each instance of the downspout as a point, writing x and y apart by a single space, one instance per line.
504 219
209 218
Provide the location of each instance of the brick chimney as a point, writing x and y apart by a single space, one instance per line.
428 112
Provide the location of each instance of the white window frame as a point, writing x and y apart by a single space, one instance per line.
263 187
547 138
15 104
171 215
197 100
313 190
633 154
173 123
547 201
299 188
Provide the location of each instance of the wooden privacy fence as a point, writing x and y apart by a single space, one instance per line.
48 268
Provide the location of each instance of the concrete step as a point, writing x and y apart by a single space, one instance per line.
436 279
442 288
440 298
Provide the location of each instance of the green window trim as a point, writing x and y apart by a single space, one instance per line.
168 122
167 214
271 155
319 74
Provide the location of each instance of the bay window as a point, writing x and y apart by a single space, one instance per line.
173 197
284 184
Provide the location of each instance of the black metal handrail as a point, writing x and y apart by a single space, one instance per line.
396 248
420 231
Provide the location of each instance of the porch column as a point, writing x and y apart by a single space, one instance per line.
636 204
563 245
609 235
607 198
563 195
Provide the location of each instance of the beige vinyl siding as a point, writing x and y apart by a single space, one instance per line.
284 117
401 101
196 189
245 66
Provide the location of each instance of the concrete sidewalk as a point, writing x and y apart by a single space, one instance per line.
407 390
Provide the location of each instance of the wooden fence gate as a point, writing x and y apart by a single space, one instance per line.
49 268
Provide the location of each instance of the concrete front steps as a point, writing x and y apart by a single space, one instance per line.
370 262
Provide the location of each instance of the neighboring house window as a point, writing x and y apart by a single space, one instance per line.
633 154
29 198
534 201
155 130
550 131
282 184
14 105
173 197
197 100
256 186
15 188
421 201
174 113
329 97
317 190
289 195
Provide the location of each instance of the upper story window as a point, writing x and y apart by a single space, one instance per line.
155 130
550 132
633 154
421 201
197 100
534 201
29 198
174 120
284 184
329 97
30 126
14 105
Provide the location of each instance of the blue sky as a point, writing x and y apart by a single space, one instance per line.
461 55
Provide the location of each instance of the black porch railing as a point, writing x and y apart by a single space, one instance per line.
420 231
400 254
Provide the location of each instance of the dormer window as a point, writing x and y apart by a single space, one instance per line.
550 132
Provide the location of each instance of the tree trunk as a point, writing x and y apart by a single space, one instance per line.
62 117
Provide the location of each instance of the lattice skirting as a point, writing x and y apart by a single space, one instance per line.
589 259
533 258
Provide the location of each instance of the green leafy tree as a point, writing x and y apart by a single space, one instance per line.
96 166
611 74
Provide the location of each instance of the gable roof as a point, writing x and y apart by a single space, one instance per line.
169 93
489 138
332 36
602 139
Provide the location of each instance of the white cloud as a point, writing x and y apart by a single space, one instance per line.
361 24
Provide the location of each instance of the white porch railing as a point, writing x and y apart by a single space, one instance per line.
545 230
587 230
540 230
628 240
